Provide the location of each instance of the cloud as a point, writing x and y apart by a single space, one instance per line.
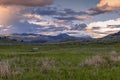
15 11
61 14
96 11
113 26
50 22
46 11
55 11
69 32
76 33
72 12
82 18
30 3
5 29
7 13
109 5
66 18
40 23
16 19
32 17
80 27
104 6
70 18
103 28
53 26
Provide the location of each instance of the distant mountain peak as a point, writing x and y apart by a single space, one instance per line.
115 37
114 34
63 34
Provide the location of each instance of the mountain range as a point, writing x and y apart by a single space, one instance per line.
111 38
38 38
45 39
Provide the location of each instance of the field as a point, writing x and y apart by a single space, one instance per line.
60 62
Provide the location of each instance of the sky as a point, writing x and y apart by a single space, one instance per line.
96 18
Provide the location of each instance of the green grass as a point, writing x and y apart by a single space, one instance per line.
58 62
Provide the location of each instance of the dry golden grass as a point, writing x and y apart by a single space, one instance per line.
5 69
100 60
94 61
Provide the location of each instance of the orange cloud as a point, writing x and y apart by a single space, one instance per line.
109 5
7 14
83 17
104 6
25 2
10 10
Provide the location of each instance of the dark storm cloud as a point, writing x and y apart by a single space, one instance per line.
54 11
45 11
71 18
72 12
30 3
95 28
66 18
96 11
52 28
79 27
100 32
113 26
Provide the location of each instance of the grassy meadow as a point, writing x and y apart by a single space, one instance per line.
60 62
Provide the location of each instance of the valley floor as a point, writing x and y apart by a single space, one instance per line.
60 62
